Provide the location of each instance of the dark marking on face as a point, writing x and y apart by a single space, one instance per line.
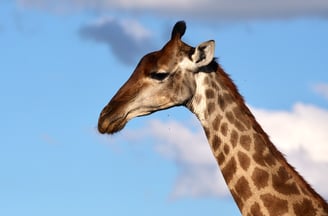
178 76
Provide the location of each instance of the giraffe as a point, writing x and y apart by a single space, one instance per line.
258 176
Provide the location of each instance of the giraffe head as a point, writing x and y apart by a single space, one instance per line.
161 80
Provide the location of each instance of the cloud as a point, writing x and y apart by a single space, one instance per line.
305 126
301 134
321 89
207 9
198 173
128 39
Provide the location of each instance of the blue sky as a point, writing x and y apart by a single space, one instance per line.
61 62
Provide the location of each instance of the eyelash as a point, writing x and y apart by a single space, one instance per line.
159 75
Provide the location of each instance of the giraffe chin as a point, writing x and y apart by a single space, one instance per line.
106 126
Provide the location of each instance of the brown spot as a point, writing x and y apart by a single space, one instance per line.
274 205
229 170
283 182
226 149
244 160
209 93
234 138
216 122
221 103
242 188
259 157
221 158
177 76
242 117
216 142
260 178
269 159
305 208
239 125
206 81
230 117
210 108
256 210
214 85
224 129
245 142
224 100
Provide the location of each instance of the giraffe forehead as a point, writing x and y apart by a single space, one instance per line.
152 62
173 54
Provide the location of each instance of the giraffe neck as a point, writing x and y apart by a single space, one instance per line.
258 177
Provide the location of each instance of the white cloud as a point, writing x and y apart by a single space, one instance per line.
301 134
305 126
221 9
321 89
198 172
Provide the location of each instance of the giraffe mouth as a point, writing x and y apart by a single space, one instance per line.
110 122
111 126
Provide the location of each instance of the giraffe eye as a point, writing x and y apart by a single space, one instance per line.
159 75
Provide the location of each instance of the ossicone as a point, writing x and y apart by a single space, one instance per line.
178 30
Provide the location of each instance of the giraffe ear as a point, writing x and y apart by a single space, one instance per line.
204 53
178 30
